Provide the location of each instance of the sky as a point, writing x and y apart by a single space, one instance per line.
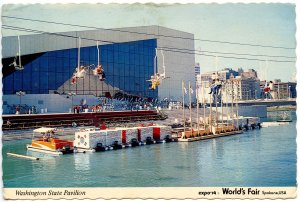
261 24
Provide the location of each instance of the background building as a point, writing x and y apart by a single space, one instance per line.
246 84
197 70
286 90
245 88
126 54
204 81
251 73
282 90
249 85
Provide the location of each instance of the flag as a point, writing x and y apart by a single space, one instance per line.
191 90
185 91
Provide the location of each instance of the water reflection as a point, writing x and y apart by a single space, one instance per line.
82 161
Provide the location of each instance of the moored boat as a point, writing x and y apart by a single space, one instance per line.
44 140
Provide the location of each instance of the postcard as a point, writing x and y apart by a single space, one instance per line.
149 101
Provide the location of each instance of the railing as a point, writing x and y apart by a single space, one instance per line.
27 125
85 119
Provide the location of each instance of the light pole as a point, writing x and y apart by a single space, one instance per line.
20 94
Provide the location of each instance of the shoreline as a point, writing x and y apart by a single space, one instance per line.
282 108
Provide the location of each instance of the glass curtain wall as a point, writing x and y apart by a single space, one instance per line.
127 67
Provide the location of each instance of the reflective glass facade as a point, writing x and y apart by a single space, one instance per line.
127 67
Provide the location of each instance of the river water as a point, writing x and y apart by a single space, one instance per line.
265 157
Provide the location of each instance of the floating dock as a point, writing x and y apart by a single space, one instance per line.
204 137
89 138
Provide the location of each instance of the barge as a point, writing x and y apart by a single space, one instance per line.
94 139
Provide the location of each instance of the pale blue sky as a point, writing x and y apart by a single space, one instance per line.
264 24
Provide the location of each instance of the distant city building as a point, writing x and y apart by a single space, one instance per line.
282 90
251 73
246 84
245 88
287 90
204 81
277 80
197 70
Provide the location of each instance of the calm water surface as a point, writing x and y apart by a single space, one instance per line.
265 157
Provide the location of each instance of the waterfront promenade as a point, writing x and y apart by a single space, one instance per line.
269 102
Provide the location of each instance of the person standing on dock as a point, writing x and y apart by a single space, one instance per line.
77 109
18 109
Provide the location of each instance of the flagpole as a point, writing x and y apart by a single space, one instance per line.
232 101
197 109
216 116
183 113
190 100
215 96
98 51
237 109
210 112
227 108
222 110
204 103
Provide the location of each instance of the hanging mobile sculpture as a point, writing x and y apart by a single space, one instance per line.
18 56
